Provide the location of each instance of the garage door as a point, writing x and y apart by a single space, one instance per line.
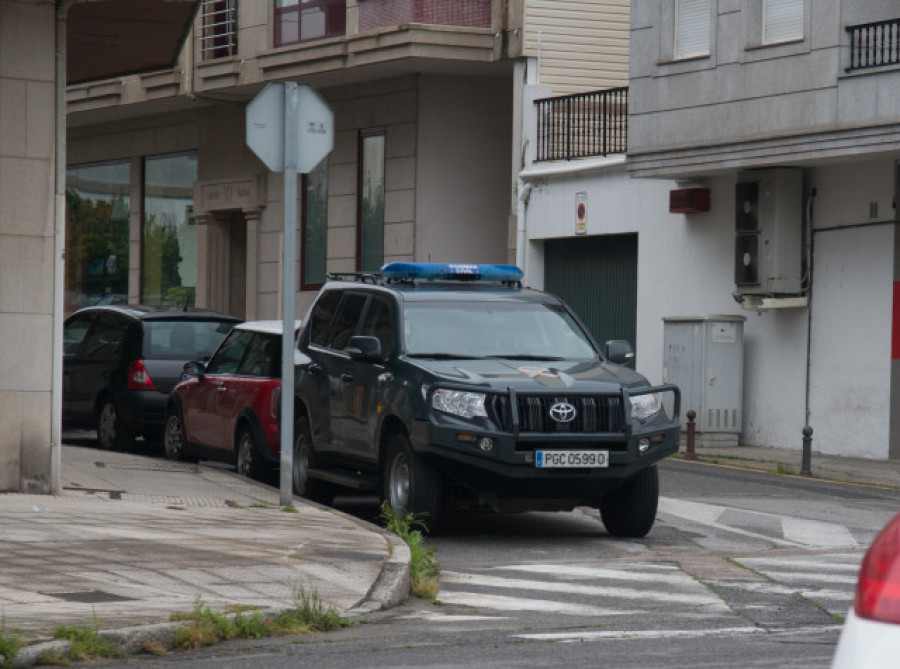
597 277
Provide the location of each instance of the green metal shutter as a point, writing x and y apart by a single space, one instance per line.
597 278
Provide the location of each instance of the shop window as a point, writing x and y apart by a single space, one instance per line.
370 237
692 28
314 227
169 242
305 20
97 210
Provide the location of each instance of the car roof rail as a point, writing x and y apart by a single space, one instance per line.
362 277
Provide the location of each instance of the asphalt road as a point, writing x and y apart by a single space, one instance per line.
741 569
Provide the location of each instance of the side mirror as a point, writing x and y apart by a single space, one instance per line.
364 349
193 368
619 351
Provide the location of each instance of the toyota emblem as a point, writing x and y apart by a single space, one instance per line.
562 412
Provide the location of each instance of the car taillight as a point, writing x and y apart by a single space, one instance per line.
139 378
878 590
276 401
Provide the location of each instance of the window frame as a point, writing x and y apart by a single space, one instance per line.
678 16
365 135
305 283
764 13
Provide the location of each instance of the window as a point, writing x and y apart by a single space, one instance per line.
379 323
303 20
263 357
692 28
782 21
169 268
97 212
321 317
229 356
75 330
370 239
314 227
219 36
346 320
106 334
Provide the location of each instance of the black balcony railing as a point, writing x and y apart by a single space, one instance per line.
874 44
582 125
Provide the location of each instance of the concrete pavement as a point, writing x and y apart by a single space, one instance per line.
132 540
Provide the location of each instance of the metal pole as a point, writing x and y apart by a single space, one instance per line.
689 453
289 253
805 469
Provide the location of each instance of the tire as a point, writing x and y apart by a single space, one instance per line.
246 455
630 511
174 440
111 434
411 485
304 460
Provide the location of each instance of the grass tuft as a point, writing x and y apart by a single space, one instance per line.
85 642
424 568
10 644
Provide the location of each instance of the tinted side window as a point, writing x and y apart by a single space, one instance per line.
321 317
228 358
379 323
75 330
263 357
346 321
104 337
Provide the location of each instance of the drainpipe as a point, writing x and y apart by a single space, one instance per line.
524 190
59 250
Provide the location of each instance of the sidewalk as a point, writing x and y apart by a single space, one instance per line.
132 540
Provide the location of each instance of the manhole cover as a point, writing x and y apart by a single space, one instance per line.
89 597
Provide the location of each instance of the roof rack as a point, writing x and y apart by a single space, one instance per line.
362 277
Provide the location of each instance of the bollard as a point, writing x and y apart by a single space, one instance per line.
689 451
807 451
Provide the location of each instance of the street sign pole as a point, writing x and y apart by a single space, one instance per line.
289 282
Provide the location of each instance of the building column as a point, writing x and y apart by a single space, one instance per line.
252 217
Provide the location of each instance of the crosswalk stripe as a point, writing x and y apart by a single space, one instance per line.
503 603
808 577
638 634
648 573
579 588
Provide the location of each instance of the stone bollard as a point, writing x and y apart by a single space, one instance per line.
805 469
689 453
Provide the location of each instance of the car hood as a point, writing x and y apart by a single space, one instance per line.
591 376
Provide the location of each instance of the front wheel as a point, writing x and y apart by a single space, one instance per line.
630 510
411 485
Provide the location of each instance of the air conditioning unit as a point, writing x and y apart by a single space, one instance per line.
768 226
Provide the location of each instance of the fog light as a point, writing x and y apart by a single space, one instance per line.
643 445
486 444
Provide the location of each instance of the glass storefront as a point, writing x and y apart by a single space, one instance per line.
97 208
169 244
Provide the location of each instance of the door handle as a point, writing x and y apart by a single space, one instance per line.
221 389
314 368
347 377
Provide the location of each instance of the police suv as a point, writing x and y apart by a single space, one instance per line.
441 384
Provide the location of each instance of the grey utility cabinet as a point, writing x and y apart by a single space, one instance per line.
704 357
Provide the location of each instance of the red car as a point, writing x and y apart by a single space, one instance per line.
227 410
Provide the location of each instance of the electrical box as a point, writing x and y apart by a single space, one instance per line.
704 357
769 232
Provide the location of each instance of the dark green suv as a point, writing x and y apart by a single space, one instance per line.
438 385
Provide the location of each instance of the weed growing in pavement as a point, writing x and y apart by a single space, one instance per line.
784 469
85 643
309 614
10 644
424 568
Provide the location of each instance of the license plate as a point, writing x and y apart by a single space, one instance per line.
559 459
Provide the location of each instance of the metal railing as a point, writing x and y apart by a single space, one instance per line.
874 44
582 125
218 37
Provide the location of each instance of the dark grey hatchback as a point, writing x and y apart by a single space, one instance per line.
121 361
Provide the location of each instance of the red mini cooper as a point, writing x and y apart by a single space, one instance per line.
227 409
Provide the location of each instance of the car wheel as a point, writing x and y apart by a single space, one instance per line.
174 440
110 432
411 485
630 511
247 455
304 460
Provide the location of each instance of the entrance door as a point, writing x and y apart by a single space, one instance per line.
597 277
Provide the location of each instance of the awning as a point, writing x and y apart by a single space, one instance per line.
112 38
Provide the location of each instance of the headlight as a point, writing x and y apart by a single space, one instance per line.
459 403
644 406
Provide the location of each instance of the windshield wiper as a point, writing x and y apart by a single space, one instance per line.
444 356
526 356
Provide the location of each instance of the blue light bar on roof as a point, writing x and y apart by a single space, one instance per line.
450 271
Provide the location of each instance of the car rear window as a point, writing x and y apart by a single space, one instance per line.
183 339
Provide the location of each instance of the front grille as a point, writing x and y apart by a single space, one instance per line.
593 413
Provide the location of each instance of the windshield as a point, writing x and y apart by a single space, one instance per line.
503 329
183 339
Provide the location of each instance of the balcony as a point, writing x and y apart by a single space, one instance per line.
874 45
385 13
582 125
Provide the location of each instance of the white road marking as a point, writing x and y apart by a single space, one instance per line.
667 574
501 603
569 637
817 533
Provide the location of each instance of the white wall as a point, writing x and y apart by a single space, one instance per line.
685 268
